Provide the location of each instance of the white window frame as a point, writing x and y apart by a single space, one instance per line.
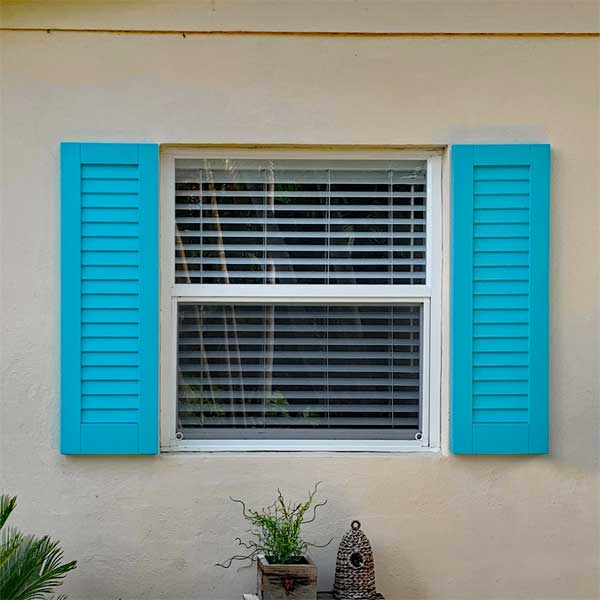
430 295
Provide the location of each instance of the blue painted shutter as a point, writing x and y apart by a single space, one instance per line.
499 346
109 296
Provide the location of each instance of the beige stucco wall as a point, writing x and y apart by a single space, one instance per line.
442 526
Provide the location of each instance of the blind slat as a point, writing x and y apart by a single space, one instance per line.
244 327
304 221
309 275
218 367
306 355
187 395
277 421
193 260
301 407
279 177
308 248
273 235
197 206
306 341
326 379
263 193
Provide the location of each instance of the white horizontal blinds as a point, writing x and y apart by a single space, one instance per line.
287 371
297 221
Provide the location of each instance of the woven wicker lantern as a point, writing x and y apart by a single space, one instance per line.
355 567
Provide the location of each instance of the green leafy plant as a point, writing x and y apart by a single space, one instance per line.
276 531
30 567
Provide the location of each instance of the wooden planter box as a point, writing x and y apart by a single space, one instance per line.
287 582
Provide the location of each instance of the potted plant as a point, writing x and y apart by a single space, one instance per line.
285 571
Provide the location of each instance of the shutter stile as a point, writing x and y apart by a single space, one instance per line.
109 298
500 299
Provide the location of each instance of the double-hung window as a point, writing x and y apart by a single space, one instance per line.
300 299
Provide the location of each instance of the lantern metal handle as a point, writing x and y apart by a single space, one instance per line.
355 525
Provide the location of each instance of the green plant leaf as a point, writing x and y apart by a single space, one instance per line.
30 567
7 505
10 540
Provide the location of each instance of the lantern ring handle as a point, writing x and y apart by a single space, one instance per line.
355 525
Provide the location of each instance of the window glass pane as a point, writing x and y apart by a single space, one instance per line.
300 221
299 371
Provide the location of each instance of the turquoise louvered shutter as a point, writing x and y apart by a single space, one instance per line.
109 296
499 295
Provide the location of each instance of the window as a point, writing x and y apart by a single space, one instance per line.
301 300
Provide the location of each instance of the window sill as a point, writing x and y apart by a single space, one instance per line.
304 446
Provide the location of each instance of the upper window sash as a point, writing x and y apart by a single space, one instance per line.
433 200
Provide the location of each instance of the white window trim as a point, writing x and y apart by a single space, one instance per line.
430 295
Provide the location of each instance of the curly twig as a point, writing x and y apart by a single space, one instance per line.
248 545
312 494
246 514
314 515
319 545
229 561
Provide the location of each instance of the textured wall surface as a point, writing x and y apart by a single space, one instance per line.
442 526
